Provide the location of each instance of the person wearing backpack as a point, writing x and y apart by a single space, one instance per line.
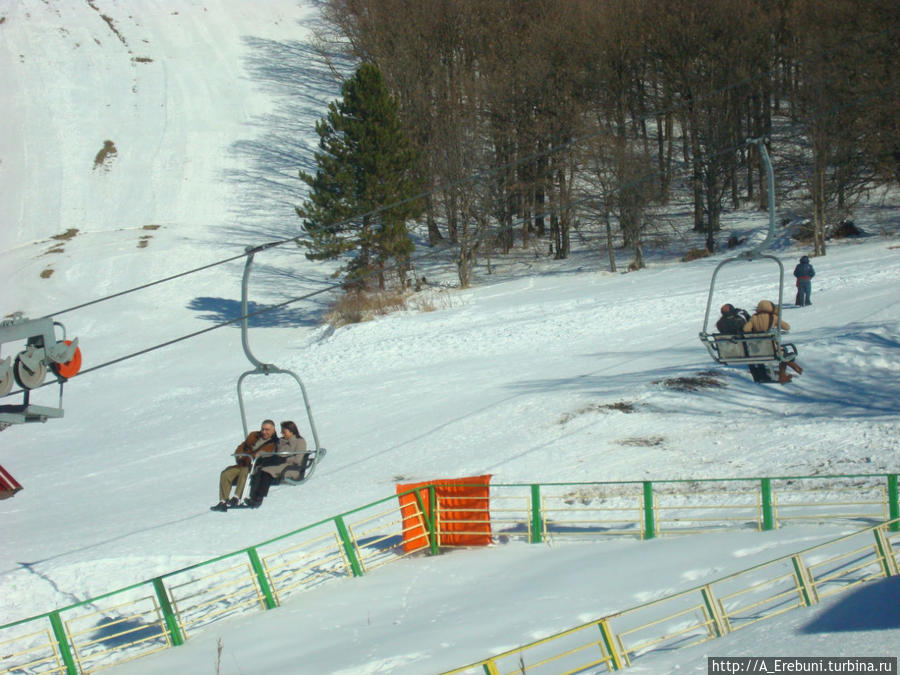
732 322
763 320
804 273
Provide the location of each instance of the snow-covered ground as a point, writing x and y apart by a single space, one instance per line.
210 106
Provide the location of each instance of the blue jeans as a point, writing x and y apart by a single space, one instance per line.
804 289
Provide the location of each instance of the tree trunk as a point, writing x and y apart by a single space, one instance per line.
434 233
610 248
818 199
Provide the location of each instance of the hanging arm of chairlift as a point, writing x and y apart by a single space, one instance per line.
261 368
753 347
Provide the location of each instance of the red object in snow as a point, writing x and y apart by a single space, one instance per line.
8 485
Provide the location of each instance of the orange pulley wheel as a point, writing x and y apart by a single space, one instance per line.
71 367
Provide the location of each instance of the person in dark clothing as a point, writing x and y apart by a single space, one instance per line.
804 273
732 320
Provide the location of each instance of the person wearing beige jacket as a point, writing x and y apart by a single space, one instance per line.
762 321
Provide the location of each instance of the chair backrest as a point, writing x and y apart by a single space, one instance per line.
746 348
762 348
730 347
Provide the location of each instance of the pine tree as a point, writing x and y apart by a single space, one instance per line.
362 194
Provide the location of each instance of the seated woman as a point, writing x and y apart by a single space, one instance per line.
762 321
291 450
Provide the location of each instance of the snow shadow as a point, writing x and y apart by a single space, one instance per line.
872 606
860 379
123 632
220 310
300 82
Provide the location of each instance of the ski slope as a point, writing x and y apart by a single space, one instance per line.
211 106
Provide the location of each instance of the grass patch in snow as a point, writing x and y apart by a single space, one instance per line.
695 254
356 307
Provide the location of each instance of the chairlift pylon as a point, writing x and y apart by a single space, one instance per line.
43 353
752 348
313 455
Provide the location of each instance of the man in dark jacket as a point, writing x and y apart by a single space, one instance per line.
804 272
263 440
732 320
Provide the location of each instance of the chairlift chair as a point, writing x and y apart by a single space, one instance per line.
293 474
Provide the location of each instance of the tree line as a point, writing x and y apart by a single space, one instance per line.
524 119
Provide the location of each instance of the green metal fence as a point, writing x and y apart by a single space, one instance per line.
163 612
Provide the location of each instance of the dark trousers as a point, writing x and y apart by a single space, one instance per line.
804 290
261 480
762 373
259 485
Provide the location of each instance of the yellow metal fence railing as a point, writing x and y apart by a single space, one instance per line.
165 611
213 592
719 607
31 649
112 634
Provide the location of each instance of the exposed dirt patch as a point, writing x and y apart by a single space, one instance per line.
618 406
586 494
638 442
103 159
708 379
65 236
47 273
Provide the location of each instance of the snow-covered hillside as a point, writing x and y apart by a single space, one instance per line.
200 100
543 371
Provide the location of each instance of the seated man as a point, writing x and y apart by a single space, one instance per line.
263 440
291 450
732 320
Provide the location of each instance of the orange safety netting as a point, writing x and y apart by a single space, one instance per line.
463 513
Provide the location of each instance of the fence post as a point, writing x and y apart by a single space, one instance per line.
349 550
804 583
430 523
885 552
649 520
166 606
610 645
256 564
893 502
719 628
489 667
537 527
59 632
768 514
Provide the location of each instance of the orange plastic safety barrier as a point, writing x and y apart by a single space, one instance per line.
464 505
